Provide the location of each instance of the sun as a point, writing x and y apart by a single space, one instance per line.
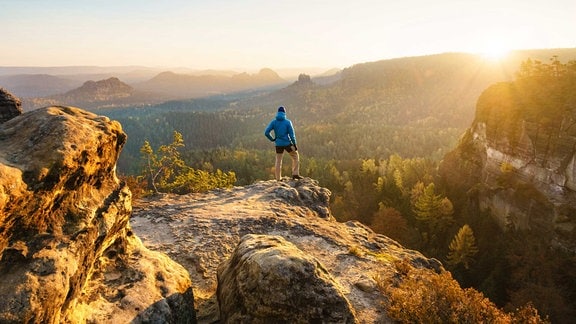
496 53
494 50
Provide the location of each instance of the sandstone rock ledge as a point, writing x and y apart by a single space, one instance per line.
67 252
274 254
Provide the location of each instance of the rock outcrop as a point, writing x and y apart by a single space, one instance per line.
93 95
203 231
268 279
10 106
108 90
68 253
521 171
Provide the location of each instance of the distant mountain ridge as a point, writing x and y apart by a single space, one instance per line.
35 82
165 86
184 86
37 85
442 80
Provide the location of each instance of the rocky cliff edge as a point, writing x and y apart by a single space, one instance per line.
271 251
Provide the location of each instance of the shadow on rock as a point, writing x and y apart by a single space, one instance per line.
172 309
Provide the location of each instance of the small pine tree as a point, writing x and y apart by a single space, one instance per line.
463 248
427 205
159 168
433 211
166 171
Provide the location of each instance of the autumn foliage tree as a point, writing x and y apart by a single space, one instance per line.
421 297
389 221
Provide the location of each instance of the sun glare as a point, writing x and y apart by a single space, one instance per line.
495 52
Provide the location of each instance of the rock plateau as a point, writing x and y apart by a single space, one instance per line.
272 250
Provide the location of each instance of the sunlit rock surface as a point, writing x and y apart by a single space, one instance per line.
268 279
68 253
202 231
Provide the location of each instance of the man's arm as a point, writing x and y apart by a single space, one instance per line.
291 134
268 130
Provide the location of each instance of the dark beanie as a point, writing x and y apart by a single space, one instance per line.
281 109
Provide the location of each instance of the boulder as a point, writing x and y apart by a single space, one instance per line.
268 279
10 106
67 251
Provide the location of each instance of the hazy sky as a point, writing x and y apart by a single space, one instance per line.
252 34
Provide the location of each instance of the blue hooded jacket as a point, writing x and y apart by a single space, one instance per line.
283 130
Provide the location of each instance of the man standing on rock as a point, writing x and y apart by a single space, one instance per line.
285 140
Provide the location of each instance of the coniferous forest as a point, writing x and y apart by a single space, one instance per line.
375 137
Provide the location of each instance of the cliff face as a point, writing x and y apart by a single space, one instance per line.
519 167
67 251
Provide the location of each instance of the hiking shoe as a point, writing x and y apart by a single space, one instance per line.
296 177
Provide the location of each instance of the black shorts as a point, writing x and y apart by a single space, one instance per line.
280 149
